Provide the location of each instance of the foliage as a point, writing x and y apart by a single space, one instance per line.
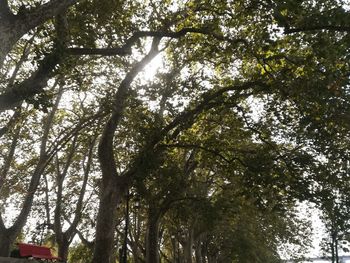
246 116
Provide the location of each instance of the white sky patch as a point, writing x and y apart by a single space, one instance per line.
152 68
318 229
257 108
346 5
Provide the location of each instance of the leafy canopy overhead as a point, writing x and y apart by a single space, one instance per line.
247 115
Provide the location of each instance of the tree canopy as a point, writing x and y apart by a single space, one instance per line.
173 131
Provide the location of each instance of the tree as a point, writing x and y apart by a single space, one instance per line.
219 60
9 234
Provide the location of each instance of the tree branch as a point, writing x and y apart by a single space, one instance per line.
105 148
12 121
38 15
79 207
195 146
317 28
33 85
9 158
110 179
27 19
179 123
126 48
5 11
99 51
37 82
39 169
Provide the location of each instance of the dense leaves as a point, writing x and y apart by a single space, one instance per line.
173 131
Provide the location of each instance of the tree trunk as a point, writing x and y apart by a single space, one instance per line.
212 259
137 254
114 186
64 239
152 236
205 257
63 248
198 250
336 250
110 197
5 243
188 246
333 247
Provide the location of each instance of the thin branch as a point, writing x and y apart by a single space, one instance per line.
87 243
99 51
24 56
79 207
126 48
196 146
206 103
12 121
317 28
47 201
9 158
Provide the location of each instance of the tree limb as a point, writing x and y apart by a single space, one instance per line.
79 207
33 85
126 48
37 82
5 11
11 30
317 28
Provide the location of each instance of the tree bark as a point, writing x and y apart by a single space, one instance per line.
336 249
8 160
61 237
63 248
5 243
152 236
106 220
198 252
13 27
199 255
188 246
